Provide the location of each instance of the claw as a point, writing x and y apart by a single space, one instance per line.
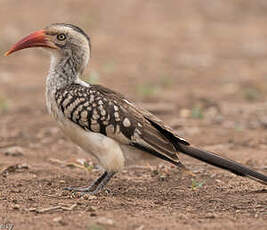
77 189
94 188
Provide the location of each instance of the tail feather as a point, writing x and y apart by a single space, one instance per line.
222 162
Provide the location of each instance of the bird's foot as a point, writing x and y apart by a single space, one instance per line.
80 189
94 188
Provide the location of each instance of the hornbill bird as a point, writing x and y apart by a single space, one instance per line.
103 122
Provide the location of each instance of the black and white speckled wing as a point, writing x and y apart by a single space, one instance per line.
101 110
144 114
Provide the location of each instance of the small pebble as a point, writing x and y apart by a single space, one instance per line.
105 221
16 206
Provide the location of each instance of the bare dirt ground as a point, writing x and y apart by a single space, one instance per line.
199 65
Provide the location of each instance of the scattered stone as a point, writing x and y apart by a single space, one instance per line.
219 181
13 168
210 216
89 197
14 151
57 219
105 221
93 214
76 195
64 193
16 206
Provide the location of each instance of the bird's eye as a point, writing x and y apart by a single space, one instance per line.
61 37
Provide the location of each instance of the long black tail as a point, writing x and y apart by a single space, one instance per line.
222 162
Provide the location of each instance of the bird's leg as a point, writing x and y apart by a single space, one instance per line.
95 187
103 182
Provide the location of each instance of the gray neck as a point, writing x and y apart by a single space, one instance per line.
62 72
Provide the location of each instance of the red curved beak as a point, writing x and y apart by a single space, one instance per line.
35 39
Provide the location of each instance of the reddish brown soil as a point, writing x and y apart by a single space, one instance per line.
199 65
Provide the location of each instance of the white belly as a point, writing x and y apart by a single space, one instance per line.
106 150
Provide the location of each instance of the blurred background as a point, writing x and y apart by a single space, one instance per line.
197 59
201 66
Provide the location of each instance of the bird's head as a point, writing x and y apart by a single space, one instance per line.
61 40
